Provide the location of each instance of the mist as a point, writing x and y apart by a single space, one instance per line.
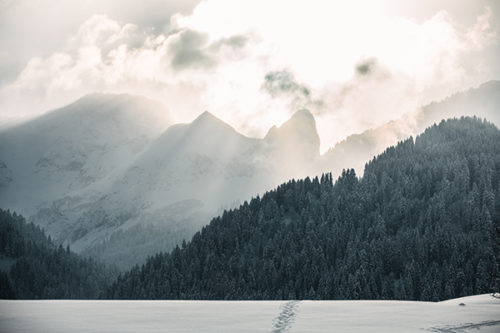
353 69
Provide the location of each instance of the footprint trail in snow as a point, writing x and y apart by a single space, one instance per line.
284 321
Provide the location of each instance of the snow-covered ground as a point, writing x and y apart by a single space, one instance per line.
479 313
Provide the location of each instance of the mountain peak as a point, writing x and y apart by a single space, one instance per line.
301 123
103 107
207 124
298 133
302 115
206 116
209 121
123 98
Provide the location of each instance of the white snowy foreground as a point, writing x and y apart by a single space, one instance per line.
480 314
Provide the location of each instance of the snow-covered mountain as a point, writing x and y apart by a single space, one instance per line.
186 176
107 168
295 144
70 148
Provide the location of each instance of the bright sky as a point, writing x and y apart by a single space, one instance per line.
353 64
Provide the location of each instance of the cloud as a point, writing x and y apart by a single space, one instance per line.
366 67
104 55
233 42
353 69
40 28
283 82
482 33
192 50
188 51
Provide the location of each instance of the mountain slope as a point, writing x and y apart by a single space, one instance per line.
295 144
73 147
103 176
186 176
33 267
423 223
357 149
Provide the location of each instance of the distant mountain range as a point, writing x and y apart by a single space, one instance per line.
109 175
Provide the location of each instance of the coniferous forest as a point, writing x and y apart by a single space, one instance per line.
33 267
422 223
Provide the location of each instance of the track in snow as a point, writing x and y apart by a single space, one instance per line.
285 319
464 327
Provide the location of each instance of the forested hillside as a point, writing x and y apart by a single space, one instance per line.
422 224
33 267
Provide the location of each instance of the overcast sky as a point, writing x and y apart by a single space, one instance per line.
354 64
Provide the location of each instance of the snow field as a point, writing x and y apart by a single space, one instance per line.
480 312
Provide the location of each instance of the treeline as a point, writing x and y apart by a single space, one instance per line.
33 267
423 223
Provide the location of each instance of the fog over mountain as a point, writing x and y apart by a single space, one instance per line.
109 177
342 151
353 69
187 175
357 149
73 147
